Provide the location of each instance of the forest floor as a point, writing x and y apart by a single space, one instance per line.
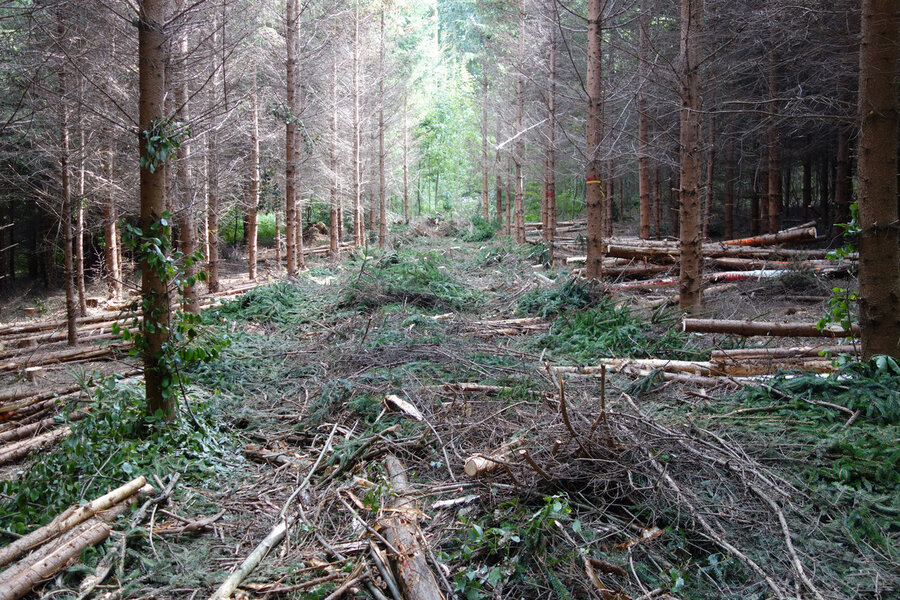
615 487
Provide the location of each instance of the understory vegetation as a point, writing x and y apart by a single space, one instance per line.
624 483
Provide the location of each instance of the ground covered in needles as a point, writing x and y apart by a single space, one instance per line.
608 487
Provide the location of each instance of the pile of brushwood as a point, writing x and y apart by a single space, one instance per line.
385 421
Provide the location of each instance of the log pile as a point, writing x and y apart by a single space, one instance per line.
733 260
55 546
725 367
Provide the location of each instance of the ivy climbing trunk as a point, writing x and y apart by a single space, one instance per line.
152 59
879 239
594 172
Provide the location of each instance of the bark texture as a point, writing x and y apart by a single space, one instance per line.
152 59
879 240
691 273
594 191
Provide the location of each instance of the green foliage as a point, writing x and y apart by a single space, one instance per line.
840 308
284 303
409 278
113 444
501 550
854 467
482 230
606 330
161 140
574 294
187 342
842 300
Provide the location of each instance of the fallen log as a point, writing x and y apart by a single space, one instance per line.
747 264
466 387
69 519
50 358
704 368
737 354
18 580
417 582
709 278
752 328
794 235
46 561
754 367
478 465
17 450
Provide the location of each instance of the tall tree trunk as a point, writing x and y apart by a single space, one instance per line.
484 144
278 238
807 187
382 191
253 207
80 205
186 225
710 176
594 171
729 188
656 203
66 193
110 218
824 192
152 59
334 232
842 183
212 179
520 142
774 200
691 266
290 137
358 231
405 158
510 194
879 240
643 120
550 179
754 207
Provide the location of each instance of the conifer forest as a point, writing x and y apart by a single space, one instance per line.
449 299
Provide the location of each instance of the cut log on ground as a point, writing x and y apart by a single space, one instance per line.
17 450
481 464
794 235
69 519
752 328
49 559
50 358
417 582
